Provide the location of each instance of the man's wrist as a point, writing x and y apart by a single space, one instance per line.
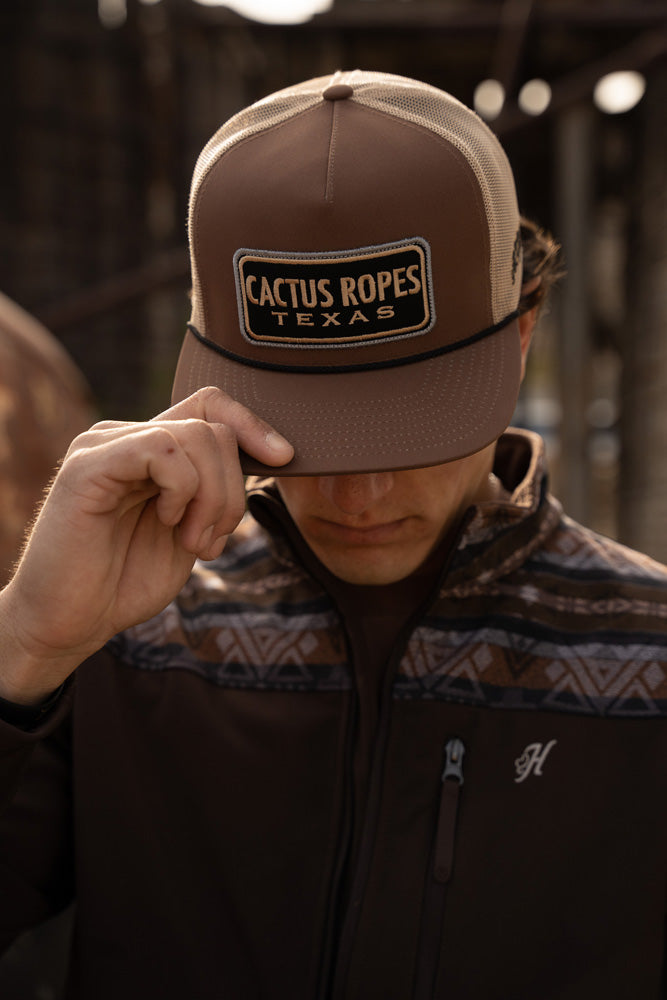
29 673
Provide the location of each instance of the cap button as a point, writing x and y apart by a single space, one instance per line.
337 92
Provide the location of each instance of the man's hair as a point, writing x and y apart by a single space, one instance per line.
541 258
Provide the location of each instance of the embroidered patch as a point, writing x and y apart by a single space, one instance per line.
342 299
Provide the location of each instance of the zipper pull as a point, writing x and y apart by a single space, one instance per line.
454 752
451 781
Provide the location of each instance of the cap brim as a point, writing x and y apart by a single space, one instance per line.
414 415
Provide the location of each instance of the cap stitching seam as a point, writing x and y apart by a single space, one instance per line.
462 162
328 190
196 207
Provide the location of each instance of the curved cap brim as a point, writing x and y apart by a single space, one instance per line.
411 416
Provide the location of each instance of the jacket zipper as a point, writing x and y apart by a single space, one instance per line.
340 924
348 925
333 983
333 910
439 873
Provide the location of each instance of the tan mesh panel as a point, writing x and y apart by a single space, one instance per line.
450 119
420 104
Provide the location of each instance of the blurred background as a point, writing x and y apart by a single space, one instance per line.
106 104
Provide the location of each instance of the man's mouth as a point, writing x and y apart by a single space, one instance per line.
379 533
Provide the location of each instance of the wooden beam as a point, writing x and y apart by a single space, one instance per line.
422 14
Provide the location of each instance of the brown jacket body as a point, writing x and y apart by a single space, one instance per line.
241 812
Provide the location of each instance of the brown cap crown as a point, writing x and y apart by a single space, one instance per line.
356 267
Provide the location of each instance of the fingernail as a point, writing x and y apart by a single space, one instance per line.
179 515
277 442
205 538
216 546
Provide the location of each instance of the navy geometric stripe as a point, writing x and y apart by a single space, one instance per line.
217 611
462 690
607 575
483 628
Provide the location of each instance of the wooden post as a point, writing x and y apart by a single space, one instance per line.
643 479
574 156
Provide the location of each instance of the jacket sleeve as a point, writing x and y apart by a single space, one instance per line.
36 863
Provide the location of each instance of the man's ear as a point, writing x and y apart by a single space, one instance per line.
527 322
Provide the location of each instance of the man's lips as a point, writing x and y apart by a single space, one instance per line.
368 534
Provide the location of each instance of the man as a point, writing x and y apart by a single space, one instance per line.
405 736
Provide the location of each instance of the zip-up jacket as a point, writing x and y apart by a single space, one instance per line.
242 812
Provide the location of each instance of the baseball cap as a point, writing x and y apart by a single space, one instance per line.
356 270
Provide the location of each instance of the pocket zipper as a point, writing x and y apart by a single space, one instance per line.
439 872
450 788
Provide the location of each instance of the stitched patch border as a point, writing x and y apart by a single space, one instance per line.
347 298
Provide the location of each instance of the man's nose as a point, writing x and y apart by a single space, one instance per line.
354 494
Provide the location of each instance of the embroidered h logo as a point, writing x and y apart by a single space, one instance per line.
532 759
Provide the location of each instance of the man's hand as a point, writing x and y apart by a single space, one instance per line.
132 507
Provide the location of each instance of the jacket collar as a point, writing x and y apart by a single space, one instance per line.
498 536
494 538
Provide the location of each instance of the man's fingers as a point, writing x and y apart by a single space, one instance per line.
185 461
189 467
218 504
253 434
